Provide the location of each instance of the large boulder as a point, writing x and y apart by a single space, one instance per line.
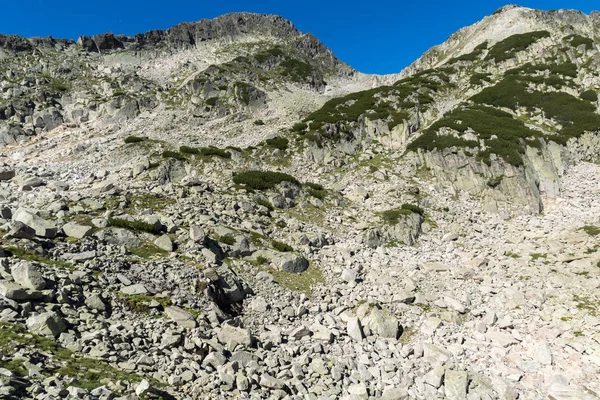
43 228
28 275
231 336
47 324
77 231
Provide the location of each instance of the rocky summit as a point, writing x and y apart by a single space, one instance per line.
225 210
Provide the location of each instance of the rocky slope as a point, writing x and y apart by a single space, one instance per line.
218 211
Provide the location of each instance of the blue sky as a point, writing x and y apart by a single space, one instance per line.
373 37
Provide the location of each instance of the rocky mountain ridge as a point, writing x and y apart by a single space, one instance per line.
248 217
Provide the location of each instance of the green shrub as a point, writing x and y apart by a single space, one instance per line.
589 95
260 260
262 180
299 127
227 239
575 115
510 46
297 70
314 186
392 217
278 143
189 150
212 101
135 225
173 154
266 55
578 40
259 122
134 139
413 208
214 151
478 79
282 247
261 201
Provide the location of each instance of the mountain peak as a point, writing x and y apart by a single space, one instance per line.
227 27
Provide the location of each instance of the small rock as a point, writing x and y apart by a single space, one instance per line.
181 317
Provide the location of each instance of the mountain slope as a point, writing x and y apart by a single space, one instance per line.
248 217
502 109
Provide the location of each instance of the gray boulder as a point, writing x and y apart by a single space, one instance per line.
77 231
181 317
42 227
231 336
28 276
47 324
164 243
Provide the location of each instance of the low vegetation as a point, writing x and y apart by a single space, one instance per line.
134 139
394 216
510 46
262 180
86 373
282 247
134 225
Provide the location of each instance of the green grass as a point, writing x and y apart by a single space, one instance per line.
394 216
510 46
140 303
147 251
259 122
282 247
135 225
28 255
302 283
144 201
262 180
86 373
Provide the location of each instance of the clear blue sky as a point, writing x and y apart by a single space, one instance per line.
372 36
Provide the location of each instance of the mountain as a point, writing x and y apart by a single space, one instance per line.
224 209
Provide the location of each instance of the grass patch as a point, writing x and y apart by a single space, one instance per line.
27 255
140 303
148 250
512 255
589 95
262 180
87 373
302 283
205 151
394 216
